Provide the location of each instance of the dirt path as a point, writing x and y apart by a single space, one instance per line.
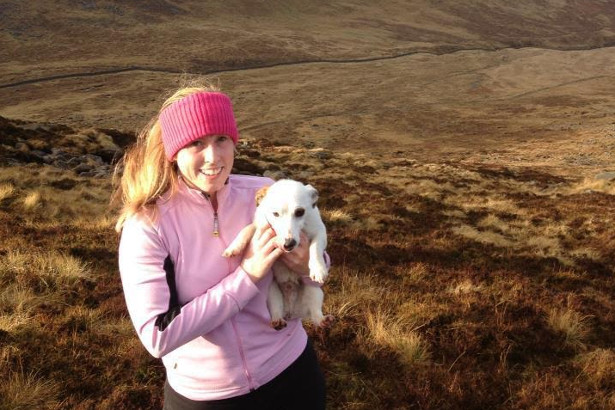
227 70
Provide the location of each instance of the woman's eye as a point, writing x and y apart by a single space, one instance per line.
222 138
276 214
196 143
299 212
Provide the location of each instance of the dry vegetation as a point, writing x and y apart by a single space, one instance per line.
454 286
473 248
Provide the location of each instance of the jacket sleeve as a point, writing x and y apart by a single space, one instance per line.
161 323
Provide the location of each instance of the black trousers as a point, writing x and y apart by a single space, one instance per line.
300 387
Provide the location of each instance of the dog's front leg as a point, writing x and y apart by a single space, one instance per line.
317 265
240 242
275 303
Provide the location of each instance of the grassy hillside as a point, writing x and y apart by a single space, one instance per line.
455 285
464 153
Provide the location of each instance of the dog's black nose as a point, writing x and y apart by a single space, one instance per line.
289 244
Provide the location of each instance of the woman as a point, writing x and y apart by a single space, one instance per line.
205 315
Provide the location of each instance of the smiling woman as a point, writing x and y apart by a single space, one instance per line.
206 316
206 163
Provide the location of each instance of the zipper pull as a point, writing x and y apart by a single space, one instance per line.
216 225
216 231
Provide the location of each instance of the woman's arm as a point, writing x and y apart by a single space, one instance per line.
161 323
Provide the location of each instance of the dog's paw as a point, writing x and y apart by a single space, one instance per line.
318 274
230 252
327 321
278 324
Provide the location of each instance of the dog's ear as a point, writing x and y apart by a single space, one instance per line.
313 194
260 194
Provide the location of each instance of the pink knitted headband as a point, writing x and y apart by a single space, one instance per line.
195 116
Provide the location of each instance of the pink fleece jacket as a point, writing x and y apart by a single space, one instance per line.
197 310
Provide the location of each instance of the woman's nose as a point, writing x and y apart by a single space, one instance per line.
210 153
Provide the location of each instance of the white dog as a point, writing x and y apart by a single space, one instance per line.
290 207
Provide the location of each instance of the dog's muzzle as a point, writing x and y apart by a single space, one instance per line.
289 244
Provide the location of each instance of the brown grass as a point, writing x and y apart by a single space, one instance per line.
393 333
456 287
23 390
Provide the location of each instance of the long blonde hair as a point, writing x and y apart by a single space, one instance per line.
145 173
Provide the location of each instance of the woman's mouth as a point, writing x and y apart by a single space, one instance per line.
211 172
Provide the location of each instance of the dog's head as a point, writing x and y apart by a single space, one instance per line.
286 205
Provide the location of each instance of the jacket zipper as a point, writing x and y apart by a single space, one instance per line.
216 230
216 233
216 225
243 358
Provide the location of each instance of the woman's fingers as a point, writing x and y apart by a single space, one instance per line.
263 235
298 259
261 254
272 252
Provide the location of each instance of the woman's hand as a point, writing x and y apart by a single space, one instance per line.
299 258
261 253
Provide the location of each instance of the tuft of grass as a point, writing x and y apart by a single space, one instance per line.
488 237
464 287
49 269
6 190
16 304
355 291
21 390
589 185
9 322
394 333
32 201
337 215
82 319
417 271
571 324
598 366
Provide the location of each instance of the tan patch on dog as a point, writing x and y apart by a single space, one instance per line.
260 194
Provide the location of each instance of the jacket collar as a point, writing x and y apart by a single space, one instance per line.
199 196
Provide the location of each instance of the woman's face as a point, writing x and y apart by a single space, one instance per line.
207 162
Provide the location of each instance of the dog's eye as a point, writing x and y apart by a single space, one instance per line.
276 214
299 212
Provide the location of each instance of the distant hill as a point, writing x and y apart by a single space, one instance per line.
193 35
337 75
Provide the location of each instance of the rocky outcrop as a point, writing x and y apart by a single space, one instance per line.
89 152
